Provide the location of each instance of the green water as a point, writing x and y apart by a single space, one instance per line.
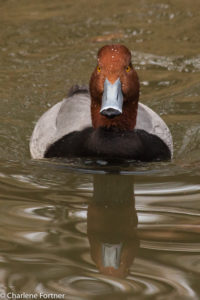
63 222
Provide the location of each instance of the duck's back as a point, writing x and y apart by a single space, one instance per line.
150 122
73 114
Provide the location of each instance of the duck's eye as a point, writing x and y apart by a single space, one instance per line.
98 69
128 68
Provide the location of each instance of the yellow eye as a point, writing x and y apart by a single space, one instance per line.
98 69
128 69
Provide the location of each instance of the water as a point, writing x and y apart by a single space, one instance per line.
63 223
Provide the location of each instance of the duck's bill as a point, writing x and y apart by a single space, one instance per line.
111 254
112 99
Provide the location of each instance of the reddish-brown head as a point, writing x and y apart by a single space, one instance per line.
114 89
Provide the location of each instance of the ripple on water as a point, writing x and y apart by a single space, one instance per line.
171 63
140 283
157 278
54 242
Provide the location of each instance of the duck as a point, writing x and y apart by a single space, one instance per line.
105 121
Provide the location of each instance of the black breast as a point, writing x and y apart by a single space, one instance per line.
110 144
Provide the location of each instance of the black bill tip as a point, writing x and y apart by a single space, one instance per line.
110 113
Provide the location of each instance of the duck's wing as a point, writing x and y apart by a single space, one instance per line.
71 114
149 121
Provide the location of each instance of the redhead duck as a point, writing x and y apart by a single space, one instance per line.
105 122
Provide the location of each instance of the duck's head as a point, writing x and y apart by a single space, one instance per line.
114 89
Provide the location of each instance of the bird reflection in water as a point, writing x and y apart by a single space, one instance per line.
112 224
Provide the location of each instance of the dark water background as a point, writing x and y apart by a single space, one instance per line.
56 227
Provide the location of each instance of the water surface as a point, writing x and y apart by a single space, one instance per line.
85 229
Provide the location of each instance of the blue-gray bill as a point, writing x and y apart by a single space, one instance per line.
112 99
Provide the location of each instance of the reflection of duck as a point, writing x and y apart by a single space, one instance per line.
111 124
112 223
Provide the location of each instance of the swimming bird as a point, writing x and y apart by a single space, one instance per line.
105 122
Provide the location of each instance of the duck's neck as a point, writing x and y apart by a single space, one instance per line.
125 121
